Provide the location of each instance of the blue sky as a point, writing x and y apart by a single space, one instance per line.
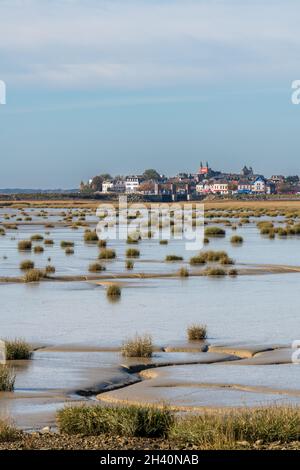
122 85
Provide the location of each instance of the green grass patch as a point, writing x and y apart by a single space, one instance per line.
7 378
214 232
197 332
17 349
139 346
174 258
129 421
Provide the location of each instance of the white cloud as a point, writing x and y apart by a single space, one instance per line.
143 43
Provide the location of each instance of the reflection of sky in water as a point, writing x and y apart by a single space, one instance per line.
247 308
256 249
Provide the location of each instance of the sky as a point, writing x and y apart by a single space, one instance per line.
117 86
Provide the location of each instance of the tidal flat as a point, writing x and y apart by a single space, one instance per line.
77 332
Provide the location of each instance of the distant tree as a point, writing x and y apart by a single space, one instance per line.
106 176
292 179
284 188
151 174
96 183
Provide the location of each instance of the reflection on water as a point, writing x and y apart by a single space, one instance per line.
247 308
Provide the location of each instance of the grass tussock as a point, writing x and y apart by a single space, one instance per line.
129 264
24 245
106 253
96 267
129 421
218 272
113 291
36 238
33 275
7 378
90 236
26 264
226 430
183 272
197 332
8 433
236 240
66 244
214 232
174 258
132 253
49 269
139 346
211 257
17 349
38 249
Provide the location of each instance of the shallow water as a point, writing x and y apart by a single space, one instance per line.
247 308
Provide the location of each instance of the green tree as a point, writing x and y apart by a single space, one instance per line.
151 174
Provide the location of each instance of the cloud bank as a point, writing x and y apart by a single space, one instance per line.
133 44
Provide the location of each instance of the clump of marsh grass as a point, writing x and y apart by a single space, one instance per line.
96 267
106 253
211 257
215 272
139 346
48 241
36 238
113 291
126 420
232 272
90 236
102 243
33 275
38 249
24 245
69 251
197 332
129 264
17 349
214 232
26 264
163 242
226 429
132 253
49 269
174 258
8 432
7 378
66 244
183 272
236 240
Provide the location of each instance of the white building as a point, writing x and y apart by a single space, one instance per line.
107 186
202 188
219 188
132 183
259 185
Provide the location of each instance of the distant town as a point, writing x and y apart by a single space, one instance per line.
203 183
